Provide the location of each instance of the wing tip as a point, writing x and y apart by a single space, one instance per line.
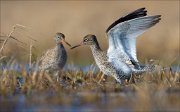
135 14
157 18
151 21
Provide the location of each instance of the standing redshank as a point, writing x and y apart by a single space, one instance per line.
120 60
55 59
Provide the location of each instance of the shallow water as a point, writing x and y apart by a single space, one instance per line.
77 102
126 100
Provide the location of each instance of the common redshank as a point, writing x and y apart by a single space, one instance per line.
120 60
54 59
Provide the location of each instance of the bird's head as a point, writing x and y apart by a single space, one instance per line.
60 38
87 40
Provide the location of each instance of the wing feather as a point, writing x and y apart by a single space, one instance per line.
135 14
123 35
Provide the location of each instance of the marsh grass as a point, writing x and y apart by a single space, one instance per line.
78 90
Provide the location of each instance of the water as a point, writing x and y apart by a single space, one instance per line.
80 102
175 68
123 101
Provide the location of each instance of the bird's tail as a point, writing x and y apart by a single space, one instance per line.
144 68
149 68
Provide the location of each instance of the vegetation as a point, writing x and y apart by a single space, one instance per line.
81 89
75 90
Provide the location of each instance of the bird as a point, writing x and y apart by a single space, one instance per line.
120 60
54 59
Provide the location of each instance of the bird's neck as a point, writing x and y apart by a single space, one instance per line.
60 51
59 46
95 48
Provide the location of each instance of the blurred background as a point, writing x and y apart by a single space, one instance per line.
78 18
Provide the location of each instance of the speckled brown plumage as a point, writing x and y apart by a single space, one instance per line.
54 59
120 61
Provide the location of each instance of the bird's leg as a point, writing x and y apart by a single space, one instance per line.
118 81
101 78
56 75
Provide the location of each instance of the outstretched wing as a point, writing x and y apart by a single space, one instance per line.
122 36
135 14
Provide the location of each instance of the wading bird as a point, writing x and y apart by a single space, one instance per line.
55 59
120 60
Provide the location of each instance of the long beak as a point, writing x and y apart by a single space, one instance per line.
77 45
66 42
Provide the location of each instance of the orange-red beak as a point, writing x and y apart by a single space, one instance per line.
77 45
66 42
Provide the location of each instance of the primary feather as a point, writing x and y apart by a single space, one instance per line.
135 14
122 37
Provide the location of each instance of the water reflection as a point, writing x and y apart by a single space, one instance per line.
115 102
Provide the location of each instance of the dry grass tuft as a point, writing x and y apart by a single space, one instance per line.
154 91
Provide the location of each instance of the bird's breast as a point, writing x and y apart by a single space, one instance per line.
61 57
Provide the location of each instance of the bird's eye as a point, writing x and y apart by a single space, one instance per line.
86 40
